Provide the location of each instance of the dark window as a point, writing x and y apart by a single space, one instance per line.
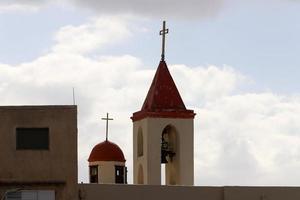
125 181
32 138
140 142
94 174
119 172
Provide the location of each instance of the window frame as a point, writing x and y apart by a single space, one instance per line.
92 176
120 174
20 147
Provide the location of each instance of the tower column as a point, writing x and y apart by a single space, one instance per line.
163 132
179 170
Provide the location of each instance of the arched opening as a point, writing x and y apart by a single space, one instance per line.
140 175
140 143
169 152
168 144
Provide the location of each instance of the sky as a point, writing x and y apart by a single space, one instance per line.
234 62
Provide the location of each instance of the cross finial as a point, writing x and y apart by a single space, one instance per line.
163 32
107 118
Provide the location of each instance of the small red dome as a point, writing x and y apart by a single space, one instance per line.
106 151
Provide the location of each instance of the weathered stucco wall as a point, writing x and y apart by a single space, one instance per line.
148 192
55 168
261 193
156 192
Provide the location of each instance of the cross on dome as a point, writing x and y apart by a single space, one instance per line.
107 119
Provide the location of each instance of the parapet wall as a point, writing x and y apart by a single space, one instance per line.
148 192
151 192
261 193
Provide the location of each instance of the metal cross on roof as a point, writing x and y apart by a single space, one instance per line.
163 32
107 119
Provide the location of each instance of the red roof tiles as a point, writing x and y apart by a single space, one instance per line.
106 151
163 98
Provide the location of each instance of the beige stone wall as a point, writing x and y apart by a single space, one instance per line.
150 192
182 166
106 170
31 169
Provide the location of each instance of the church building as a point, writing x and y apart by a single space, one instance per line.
38 154
163 133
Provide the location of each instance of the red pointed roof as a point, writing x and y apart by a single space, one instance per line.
163 98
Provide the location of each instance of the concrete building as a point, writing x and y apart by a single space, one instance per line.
38 151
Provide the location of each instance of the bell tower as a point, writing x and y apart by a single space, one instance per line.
163 133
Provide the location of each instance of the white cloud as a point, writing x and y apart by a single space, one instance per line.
149 8
213 84
20 5
90 36
17 8
156 8
240 139
30 2
254 140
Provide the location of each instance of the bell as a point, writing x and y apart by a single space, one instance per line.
164 150
164 156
